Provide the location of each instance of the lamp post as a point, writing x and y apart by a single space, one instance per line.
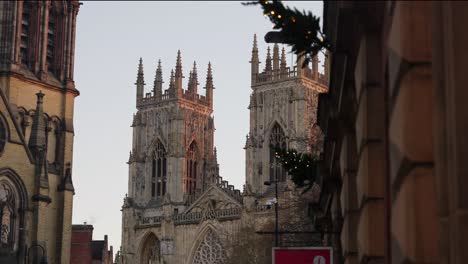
275 166
43 258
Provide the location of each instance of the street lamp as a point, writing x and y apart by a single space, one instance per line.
275 166
43 258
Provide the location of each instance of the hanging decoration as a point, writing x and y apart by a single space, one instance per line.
299 29
302 167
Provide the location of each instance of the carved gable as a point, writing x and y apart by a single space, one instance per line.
213 199
214 204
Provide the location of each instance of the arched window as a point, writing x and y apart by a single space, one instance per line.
210 250
192 171
8 216
159 171
277 140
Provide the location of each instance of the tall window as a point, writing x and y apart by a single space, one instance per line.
277 139
191 172
8 216
51 32
25 32
159 171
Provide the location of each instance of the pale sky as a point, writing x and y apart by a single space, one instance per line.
110 38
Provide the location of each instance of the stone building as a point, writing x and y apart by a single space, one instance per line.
85 250
178 208
395 122
37 94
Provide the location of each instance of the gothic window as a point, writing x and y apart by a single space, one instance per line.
277 139
210 250
191 174
159 171
25 32
51 34
3 136
8 217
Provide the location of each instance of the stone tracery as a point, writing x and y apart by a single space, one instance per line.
210 250
277 139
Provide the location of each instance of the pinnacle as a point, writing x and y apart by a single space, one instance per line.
255 42
178 69
209 77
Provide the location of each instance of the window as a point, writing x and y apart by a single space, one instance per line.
190 181
277 139
51 40
158 175
25 32
8 217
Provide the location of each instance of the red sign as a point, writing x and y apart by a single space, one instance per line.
303 255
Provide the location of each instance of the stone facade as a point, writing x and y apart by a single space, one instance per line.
178 208
394 150
36 119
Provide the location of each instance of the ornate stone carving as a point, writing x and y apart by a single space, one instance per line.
210 250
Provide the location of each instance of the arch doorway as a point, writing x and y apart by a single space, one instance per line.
151 250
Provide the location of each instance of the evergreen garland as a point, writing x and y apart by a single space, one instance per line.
299 29
302 167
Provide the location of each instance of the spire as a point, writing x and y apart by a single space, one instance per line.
276 63
268 67
37 140
178 72
209 85
254 50
172 81
190 81
254 60
283 64
158 81
140 82
195 83
140 78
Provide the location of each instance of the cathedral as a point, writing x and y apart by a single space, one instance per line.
37 93
178 208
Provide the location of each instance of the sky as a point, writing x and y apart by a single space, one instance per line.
110 39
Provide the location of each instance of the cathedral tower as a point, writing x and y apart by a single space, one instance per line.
173 159
282 108
172 149
37 43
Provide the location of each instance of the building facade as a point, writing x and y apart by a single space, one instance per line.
395 119
37 94
85 250
178 208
